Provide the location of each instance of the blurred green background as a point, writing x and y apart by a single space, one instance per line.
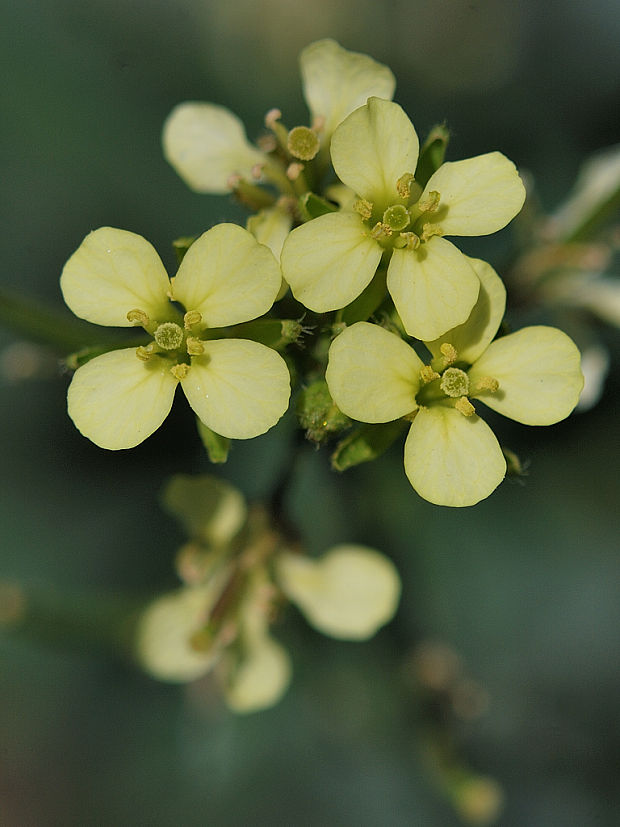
525 587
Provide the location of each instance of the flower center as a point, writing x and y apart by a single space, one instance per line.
396 217
454 382
169 336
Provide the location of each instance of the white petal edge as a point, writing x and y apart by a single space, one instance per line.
434 288
227 276
112 272
336 81
471 338
451 459
481 194
372 374
539 375
372 148
206 144
329 261
349 593
238 388
117 401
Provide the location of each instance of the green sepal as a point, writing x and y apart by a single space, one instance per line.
75 360
217 446
432 153
365 443
317 413
275 333
312 206
594 219
362 308
182 245
514 466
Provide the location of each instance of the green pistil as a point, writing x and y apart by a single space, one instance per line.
169 336
455 382
396 217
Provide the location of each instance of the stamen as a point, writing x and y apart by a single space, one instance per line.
267 143
430 203
138 317
294 170
303 143
194 346
233 181
449 353
318 123
180 371
464 406
429 230
257 171
403 185
380 231
363 207
272 117
487 383
427 374
455 382
191 318
144 353
169 336
409 241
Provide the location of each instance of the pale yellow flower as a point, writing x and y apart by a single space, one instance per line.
331 259
237 387
451 455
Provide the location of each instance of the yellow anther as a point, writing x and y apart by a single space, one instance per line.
464 406
138 317
179 371
427 374
272 117
303 143
144 353
487 383
430 203
380 231
363 207
256 172
267 143
449 353
194 346
429 230
408 241
191 318
294 170
403 185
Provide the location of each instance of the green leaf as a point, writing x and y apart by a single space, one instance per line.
312 206
432 153
217 446
366 443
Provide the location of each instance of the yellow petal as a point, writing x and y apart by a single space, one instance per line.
372 375
336 81
271 227
227 276
478 195
259 678
206 144
117 401
434 288
471 338
329 261
112 272
372 148
238 388
452 459
163 638
539 375
349 593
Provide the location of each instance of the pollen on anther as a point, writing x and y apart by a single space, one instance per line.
464 406
191 318
449 353
427 374
487 383
180 371
138 317
403 185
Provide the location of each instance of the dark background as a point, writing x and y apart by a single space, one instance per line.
525 586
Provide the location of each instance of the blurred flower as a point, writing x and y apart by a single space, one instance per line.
239 388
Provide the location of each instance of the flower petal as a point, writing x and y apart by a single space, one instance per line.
471 338
434 288
336 81
270 227
372 375
207 507
372 148
349 593
329 261
481 194
163 639
259 678
452 459
206 144
238 388
227 276
117 401
112 272
539 375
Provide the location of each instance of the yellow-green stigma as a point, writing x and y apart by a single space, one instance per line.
169 336
396 217
303 143
455 382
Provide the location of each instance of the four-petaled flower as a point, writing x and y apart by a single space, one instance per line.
451 455
331 259
239 388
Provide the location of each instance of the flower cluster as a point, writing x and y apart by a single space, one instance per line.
238 574
371 273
